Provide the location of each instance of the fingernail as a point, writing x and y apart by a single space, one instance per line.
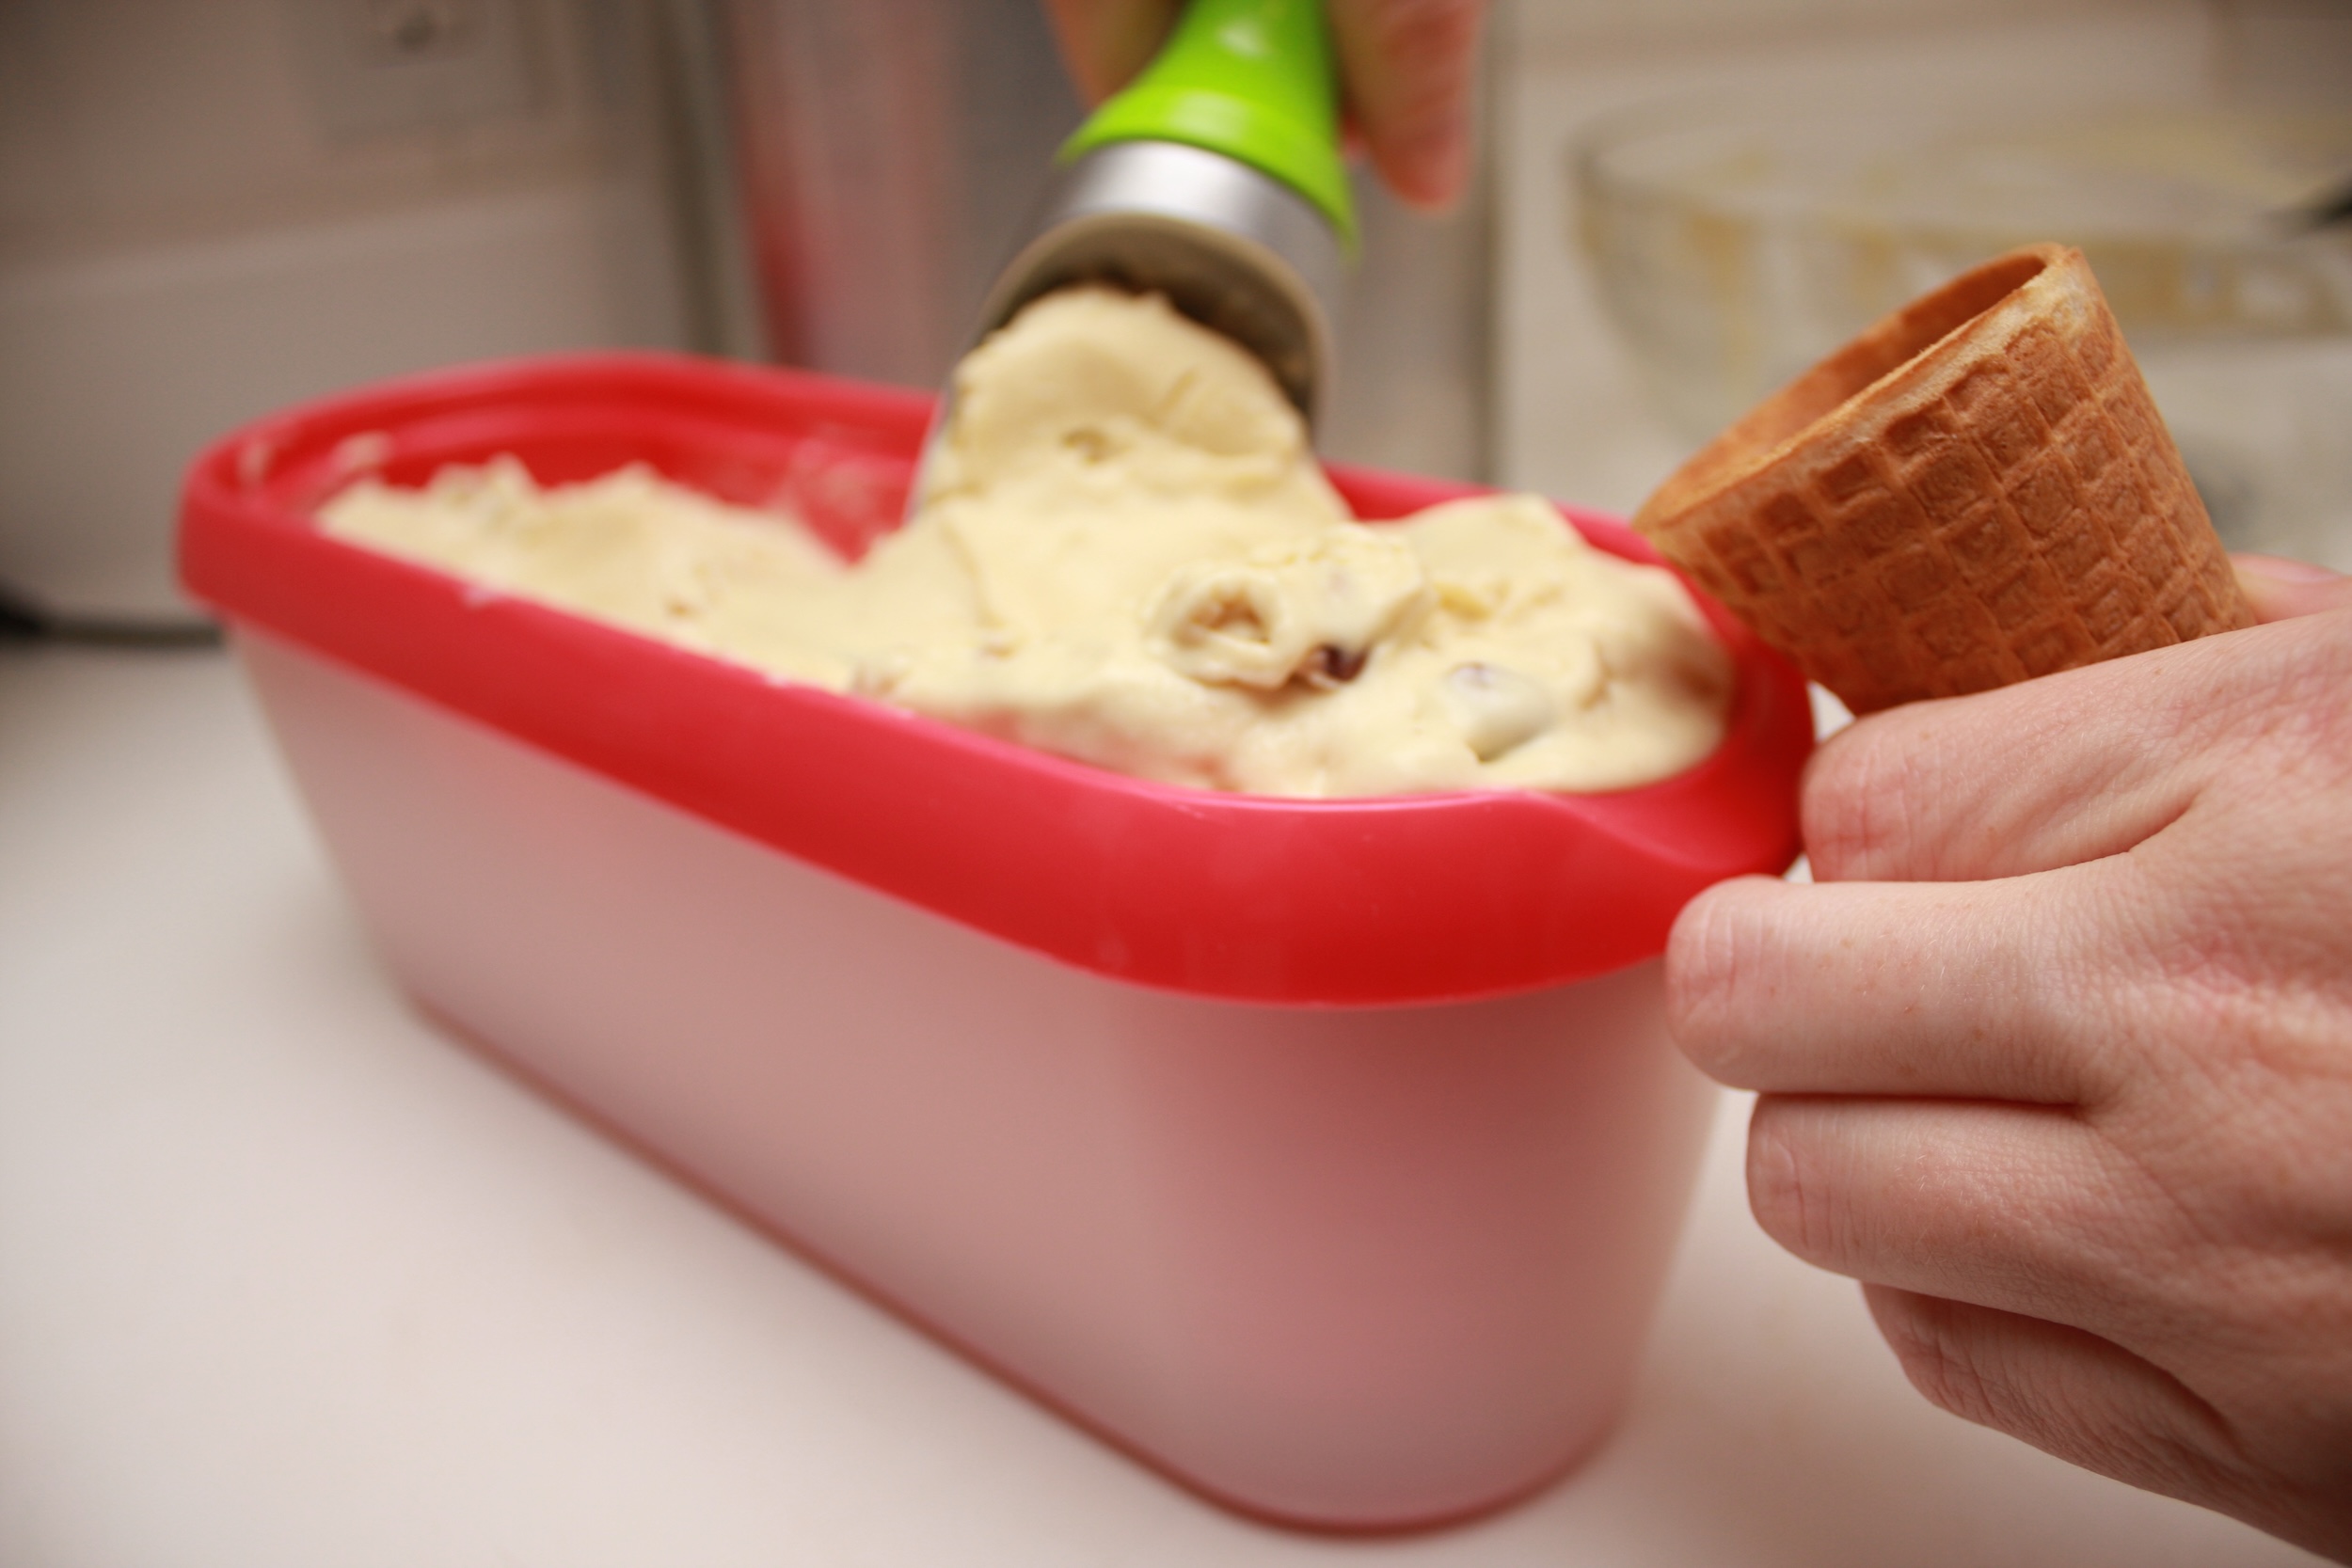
2278 568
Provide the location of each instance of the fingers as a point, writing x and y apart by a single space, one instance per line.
2012 1207
2063 769
2052 773
1407 67
2279 589
1956 990
2065 1391
1104 42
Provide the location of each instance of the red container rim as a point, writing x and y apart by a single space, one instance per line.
1380 901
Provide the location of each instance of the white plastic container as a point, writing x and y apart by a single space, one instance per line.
1289 1215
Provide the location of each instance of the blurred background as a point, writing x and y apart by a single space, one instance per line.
212 208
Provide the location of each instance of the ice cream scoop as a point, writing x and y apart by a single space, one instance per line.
1215 179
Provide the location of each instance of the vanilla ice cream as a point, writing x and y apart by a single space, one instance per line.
1125 553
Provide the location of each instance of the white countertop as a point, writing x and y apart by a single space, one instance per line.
287 1278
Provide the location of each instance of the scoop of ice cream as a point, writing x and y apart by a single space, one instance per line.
1091 380
1127 555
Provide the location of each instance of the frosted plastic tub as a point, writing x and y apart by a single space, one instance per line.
1325 1154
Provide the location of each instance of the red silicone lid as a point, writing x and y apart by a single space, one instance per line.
1406 900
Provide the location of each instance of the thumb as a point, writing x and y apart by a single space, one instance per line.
1104 42
1409 66
2279 588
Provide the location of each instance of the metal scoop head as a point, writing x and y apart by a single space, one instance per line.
1233 249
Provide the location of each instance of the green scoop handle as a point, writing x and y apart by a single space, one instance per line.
1249 79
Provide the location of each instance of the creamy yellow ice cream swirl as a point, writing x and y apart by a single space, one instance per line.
1126 554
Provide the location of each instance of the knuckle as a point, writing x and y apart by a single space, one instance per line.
1704 967
1855 799
1421 53
1939 1360
1410 29
1798 1204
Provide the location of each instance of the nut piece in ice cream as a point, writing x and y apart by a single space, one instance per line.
1308 610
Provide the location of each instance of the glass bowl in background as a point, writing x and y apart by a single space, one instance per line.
1737 241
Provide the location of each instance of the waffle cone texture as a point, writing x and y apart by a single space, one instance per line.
1975 491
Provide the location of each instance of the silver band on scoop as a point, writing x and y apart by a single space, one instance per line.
1230 248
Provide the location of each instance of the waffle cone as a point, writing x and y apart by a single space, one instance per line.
1977 490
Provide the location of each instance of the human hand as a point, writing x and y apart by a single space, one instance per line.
1406 69
2056 1054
